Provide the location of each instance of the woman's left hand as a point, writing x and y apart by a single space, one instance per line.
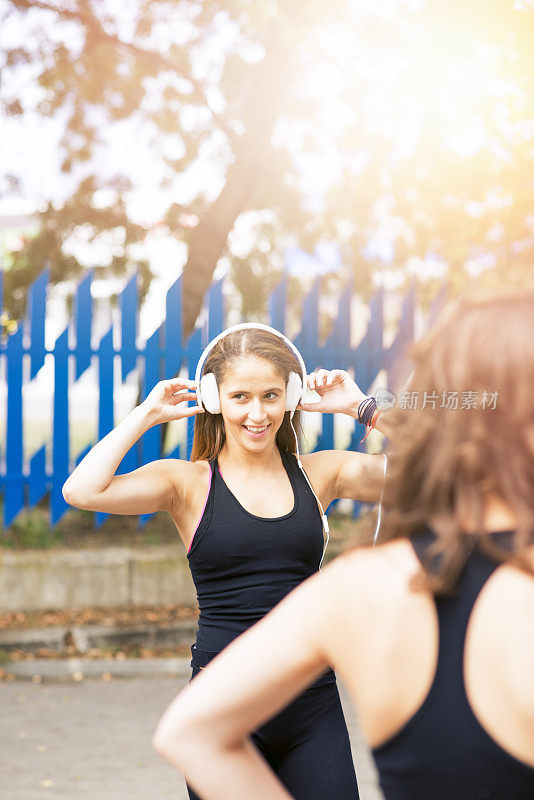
338 392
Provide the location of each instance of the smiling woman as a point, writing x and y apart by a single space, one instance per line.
249 510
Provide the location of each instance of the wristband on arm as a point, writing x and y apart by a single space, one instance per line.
367 414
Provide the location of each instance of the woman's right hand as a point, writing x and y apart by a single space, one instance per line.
155 486
167 400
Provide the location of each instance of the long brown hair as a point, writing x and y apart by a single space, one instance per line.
210 434
446 460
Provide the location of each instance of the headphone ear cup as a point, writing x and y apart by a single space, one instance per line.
209 393
293 391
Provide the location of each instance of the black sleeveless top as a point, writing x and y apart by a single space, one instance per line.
442 752
243 565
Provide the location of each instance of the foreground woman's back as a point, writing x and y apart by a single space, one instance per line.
446 700
442 687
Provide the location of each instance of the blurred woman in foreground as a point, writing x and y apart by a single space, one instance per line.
432 632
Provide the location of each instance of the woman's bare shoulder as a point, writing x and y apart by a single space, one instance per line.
393 557
374 578
179 471
189 479
364 600
189 470
322 461
182 467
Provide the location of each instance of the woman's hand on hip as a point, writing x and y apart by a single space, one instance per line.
167 401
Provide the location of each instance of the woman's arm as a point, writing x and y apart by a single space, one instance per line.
93 484
204 732
344 474
337 474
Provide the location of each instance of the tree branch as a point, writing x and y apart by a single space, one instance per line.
148 55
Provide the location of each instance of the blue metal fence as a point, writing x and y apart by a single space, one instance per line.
161 356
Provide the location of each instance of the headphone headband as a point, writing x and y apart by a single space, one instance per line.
247 326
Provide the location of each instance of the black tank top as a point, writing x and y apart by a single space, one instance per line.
243 565
442 752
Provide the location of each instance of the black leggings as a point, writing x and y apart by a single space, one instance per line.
307 744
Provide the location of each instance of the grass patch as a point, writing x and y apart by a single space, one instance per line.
31 531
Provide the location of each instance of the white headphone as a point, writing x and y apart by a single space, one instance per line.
208 395
208 391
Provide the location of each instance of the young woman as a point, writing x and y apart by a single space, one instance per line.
432 631
250 518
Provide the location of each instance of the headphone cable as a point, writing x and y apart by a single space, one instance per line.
379 516
324 518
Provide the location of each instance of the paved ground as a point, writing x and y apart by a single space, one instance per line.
91 741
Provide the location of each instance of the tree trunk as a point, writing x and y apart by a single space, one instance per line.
208 240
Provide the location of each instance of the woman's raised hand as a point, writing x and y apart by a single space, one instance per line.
338 392
94 484
167 400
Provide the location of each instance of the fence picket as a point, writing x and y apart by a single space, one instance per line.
83 314
215 310
36 322
14 483
336 350
277 306
307 339
193 353
129 305
37 478
394 358
150 441
106 383
173 329
60 427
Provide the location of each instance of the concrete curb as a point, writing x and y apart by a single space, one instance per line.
62 578
76 669
85 637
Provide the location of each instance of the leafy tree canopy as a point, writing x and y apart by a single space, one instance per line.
402 130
